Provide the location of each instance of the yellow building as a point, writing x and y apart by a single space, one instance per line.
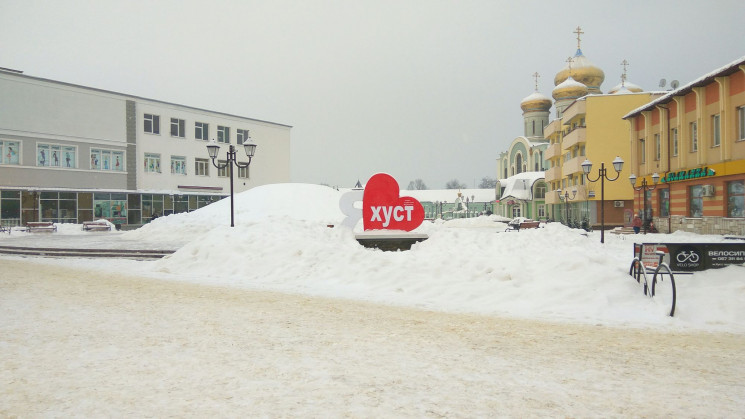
591 128
693 138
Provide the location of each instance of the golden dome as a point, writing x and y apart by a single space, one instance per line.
583 71
569 89
536 102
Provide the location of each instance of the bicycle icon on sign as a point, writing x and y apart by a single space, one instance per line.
689 256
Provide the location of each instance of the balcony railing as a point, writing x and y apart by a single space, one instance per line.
553 174
573 166
554 150
577 136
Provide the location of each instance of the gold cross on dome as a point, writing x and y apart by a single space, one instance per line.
536 75
624 64
578 32
569 61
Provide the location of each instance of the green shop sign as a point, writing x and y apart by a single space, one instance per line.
688 174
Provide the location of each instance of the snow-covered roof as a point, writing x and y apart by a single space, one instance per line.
701 81
519 186
450 195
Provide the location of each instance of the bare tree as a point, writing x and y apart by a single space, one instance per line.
455 184
488 183
417 185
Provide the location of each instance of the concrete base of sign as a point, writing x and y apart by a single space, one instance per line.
389 241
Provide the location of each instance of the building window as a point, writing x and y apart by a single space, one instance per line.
243 172
10 207
694 137
515 211
736 198
664 196
642 152
178 128
107 160
9 150
674 135
223 134
54 155
540 191
696 203
59 207
741 123
519 162
222 170
657 147
201 167
201 131
178 165
716 138
241 135
152 163
541 211
152 123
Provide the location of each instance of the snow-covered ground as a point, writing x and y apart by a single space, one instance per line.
282 242
473 322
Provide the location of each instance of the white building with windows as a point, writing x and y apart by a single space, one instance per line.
73 153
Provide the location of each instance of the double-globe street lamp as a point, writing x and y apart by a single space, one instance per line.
645 187
602 176
566 200
250 149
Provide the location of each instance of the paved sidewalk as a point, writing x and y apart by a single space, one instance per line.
88 240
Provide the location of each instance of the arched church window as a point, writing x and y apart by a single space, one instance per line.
519 162
533 127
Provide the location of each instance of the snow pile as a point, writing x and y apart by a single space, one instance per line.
314 203
282 242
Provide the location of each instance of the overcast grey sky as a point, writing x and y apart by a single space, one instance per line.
416 88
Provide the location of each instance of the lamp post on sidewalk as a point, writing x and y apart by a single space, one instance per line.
645 187
250 149
566 200
602 176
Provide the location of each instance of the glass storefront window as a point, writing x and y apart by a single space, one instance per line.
10 208
736 199
112 207
59 207
696 201
664 195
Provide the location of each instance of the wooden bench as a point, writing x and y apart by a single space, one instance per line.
522 225
96 226
37 226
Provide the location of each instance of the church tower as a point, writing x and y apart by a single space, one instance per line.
536 110
579 78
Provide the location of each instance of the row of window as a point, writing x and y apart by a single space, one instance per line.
716 136
17 208
201 166
151 125
63 156
735 199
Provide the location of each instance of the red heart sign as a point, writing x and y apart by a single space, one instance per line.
383 209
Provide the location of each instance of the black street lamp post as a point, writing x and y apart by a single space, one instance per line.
644 187
250 149
566 200
602 176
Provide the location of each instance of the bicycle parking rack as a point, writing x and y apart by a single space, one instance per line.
661 259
